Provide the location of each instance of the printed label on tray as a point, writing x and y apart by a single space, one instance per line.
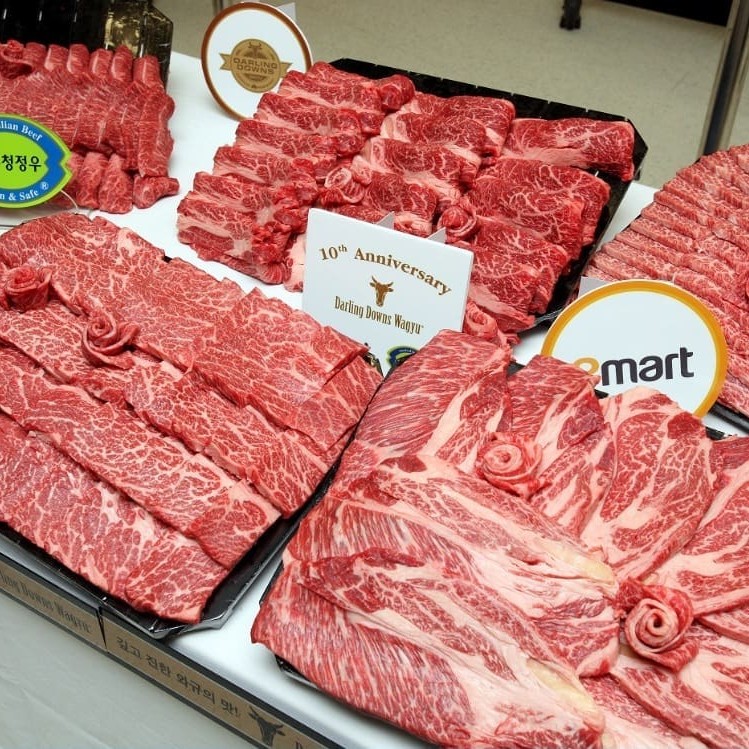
647 333
382 287
77 618
33 162
247 50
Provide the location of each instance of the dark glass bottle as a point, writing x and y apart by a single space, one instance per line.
20 21
142 28
88 22
96 23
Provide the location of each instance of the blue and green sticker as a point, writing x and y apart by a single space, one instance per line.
33 162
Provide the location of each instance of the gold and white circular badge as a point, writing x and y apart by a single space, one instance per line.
642 332
247 50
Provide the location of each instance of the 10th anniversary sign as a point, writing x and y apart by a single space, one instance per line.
382 287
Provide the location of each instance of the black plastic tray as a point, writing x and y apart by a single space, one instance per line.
282 664
733 417
527 106
219 605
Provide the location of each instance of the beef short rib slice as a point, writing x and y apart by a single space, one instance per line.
711 568
460 134
148 190
343 125
733 623
427 164
89 178
629 724
244 356
336 408
393 90
523 246
404 414
51 336
253 239
285 466
269 169
175 585
98 265
402 220
530 175
94 260
97 532
97 106
575 141
663 483
521 541
477 410
447 522
223 249
282 204
362 99
403 593
174 307
495 114
184 490
708 698
115 193
255 136
556 218
414 203
389 666
554 404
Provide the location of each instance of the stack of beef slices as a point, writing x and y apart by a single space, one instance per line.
110 109
522 193
695 234
156 422
512 561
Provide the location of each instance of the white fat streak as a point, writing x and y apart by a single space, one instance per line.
451 419
561 560
698 675
551 689
707 565
599 533
625 734
548 434
737 478
564 506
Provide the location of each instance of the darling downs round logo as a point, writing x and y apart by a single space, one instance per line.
649 333
33 162
247 50
255 65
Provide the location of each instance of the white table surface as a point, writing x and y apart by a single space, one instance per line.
56 691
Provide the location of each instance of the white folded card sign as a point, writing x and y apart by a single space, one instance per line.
388 289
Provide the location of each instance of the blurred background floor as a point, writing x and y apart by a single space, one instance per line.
656 69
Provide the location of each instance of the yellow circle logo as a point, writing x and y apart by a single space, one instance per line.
255 65
644 332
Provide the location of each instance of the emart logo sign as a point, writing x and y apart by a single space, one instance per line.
648 369
648 333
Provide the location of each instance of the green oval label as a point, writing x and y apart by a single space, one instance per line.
33 162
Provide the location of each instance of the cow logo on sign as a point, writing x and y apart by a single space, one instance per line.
381 290
268 730
255 65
